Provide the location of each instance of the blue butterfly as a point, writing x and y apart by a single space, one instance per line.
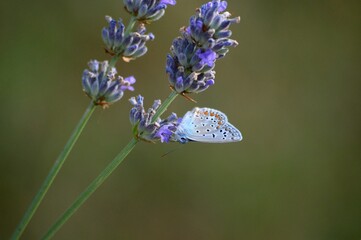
206 125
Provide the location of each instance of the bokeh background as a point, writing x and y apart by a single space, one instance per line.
292 87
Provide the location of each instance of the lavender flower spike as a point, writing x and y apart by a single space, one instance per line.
130 46
103 85
147 11
143 126
210 27
193 55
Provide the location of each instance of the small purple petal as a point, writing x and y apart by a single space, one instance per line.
164 133
169 2
222 7
210 82
208 57
130 79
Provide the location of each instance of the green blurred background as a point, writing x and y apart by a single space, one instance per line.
292 87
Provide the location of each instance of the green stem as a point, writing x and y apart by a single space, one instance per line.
91 189
62 157
103 175
53 172
130 26
165 105
113 61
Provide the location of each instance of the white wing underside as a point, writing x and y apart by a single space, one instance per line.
209 126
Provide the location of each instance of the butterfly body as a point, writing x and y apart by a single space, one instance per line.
206 125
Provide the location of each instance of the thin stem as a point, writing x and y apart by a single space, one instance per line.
130 26
113 61
62 157
91 189
104 174
53 172
165 105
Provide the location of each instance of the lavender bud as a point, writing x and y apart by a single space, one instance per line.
147 11
145 128
129 46
102 85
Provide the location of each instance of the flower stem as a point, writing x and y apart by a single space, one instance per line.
91 189
165 105
53 172
103 175
62 157
130 26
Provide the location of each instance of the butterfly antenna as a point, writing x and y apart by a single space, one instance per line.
173 150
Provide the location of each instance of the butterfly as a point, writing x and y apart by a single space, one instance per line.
206 125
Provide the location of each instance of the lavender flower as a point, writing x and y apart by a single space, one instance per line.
142 121
189 68
147 10
209 27
102 84
193 55
129 46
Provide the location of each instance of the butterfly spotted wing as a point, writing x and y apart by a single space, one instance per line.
207 125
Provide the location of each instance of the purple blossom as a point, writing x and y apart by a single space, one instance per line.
145 127
129 46
164 133
102 84
147 10
193 55
127 83
207 57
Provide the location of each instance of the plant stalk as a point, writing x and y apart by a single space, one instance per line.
104 174
91 189
53 172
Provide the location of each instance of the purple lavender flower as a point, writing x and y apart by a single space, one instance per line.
147 10
127 83
103 85
210 27
193 55
129 46
145 128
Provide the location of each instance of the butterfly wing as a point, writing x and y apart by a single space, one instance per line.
209 126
